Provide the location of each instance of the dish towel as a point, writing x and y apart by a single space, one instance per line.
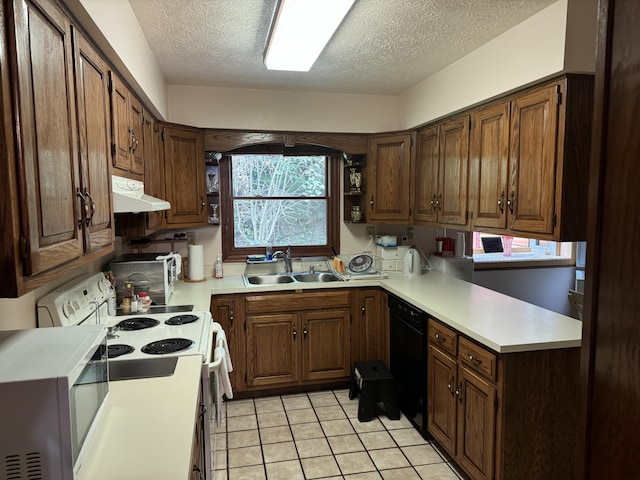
178 258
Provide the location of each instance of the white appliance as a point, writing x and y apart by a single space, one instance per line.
458 267
411 264
53 390
142 335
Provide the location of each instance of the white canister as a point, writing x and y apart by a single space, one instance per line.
459 248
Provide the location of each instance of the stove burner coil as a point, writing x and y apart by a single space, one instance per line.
118 349
168 345
181 319
138 323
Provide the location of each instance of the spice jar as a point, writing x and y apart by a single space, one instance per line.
127 297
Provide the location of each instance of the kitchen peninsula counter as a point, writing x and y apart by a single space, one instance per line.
147 427
500 322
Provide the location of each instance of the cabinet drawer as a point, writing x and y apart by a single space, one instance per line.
442 336
296 301
477 358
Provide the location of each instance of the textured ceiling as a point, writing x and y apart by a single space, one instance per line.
382 47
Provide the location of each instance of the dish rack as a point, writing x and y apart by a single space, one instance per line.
355 263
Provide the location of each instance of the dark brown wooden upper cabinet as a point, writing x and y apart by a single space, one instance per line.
185 183
127 130
50 205
488 171
94 131
388 180
442 161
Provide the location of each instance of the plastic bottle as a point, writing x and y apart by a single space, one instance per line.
144 302
268 253
218 267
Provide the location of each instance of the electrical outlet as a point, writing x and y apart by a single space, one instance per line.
410 233
404 239
191 238
371 232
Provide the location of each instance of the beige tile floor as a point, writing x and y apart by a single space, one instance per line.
318 436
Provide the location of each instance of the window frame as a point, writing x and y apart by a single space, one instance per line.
232 253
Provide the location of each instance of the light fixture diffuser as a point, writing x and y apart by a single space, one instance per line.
300 30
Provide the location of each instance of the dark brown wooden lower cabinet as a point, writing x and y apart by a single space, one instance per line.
503 416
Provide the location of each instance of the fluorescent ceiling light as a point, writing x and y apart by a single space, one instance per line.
300 30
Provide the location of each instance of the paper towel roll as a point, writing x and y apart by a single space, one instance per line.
196 262
459 247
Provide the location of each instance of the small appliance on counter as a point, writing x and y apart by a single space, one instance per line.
154 273
411 264
458 267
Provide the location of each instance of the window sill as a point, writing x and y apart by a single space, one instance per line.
497 261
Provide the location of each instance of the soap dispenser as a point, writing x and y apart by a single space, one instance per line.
218 267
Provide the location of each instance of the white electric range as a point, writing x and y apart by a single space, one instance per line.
137 336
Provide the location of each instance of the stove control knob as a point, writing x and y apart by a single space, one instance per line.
68 310
75 305
103 285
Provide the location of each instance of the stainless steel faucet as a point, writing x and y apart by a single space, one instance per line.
287 261
286 256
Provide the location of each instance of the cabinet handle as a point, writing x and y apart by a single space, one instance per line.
231 318
511 203
305 331
85 207
93 207
433 201
371 202
440 338
459 392
475 360
450 385
295 333
135 143
202 204
131 138
501 202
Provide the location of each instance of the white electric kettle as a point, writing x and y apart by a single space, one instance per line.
411 265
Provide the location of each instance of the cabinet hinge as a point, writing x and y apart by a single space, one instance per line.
559 94
25 248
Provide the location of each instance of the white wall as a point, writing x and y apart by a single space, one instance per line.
546 287
241 108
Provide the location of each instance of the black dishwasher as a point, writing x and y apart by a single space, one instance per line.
409 360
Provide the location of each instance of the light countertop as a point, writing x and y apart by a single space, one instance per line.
500 322
147 429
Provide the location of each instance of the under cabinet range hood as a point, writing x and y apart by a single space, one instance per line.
129 197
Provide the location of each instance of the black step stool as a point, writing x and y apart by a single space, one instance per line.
374 383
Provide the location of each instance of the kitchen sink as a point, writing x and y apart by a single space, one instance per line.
268 279
280 278
316 277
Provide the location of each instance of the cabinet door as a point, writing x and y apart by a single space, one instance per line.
121 133
326 350
223 311
48 169
272 349
441 398
185 177
153 170
389 178
94 131
374 325
426 178
489 157
476 425
532 186
453 171
136 124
